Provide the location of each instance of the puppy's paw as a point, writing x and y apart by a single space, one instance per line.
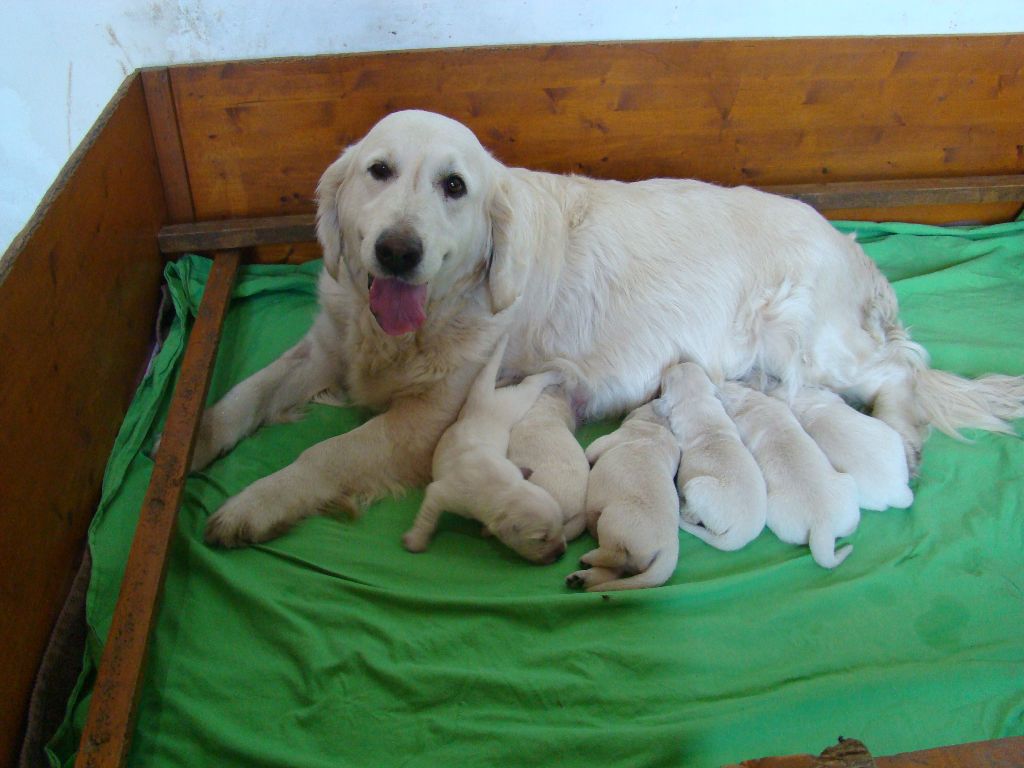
576 580
415 541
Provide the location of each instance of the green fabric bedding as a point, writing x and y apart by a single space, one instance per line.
332 646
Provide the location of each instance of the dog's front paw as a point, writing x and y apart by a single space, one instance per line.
255 515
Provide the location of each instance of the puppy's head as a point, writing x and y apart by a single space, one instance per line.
531 524
408 212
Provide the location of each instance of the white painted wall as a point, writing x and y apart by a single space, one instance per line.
62 60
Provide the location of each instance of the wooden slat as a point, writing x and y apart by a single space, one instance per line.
79 288
903 192
167 140
204 236
111 719
257 135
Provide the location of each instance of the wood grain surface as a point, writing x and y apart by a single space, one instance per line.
257 135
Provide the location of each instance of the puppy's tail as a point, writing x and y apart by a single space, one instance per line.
823 548
711 494
728 540
658 572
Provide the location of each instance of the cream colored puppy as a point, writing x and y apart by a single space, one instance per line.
632 506
543 441
474 478
722 490
808 501
867 449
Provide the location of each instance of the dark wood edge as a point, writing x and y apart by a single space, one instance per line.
163 120
906 192
245 233
994 753
204 236
111 717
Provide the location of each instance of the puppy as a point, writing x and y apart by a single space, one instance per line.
868 450
723 495
543 440
808 501
474 478
632 506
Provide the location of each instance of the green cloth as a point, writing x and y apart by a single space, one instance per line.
332 646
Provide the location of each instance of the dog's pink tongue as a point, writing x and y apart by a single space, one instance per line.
397 306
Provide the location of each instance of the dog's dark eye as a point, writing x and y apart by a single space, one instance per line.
454 186
380 171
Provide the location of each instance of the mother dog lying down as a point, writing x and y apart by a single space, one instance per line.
433 249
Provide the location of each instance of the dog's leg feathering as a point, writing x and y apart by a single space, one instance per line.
389 452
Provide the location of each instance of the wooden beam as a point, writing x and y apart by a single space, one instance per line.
205 236
111 718
901 192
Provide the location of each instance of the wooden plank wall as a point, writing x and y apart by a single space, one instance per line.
256 135
78 295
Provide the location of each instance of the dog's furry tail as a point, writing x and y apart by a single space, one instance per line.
951 403
658 572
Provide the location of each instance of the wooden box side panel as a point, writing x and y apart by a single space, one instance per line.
257 135
78 295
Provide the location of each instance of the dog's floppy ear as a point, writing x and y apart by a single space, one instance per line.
506 265
328 228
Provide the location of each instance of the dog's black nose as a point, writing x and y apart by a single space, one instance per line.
399 251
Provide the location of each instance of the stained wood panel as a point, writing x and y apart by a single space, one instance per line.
256 136
78 295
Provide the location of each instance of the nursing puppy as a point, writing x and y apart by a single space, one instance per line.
543 440
863 447
474 478
808 501
632 506
724 501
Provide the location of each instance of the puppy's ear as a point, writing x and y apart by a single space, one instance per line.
506 265
328 227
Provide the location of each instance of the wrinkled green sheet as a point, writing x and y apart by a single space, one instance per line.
332 646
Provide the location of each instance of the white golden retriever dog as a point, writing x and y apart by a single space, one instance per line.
474 478
863 447
808 501
632 506
427 239
721 488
